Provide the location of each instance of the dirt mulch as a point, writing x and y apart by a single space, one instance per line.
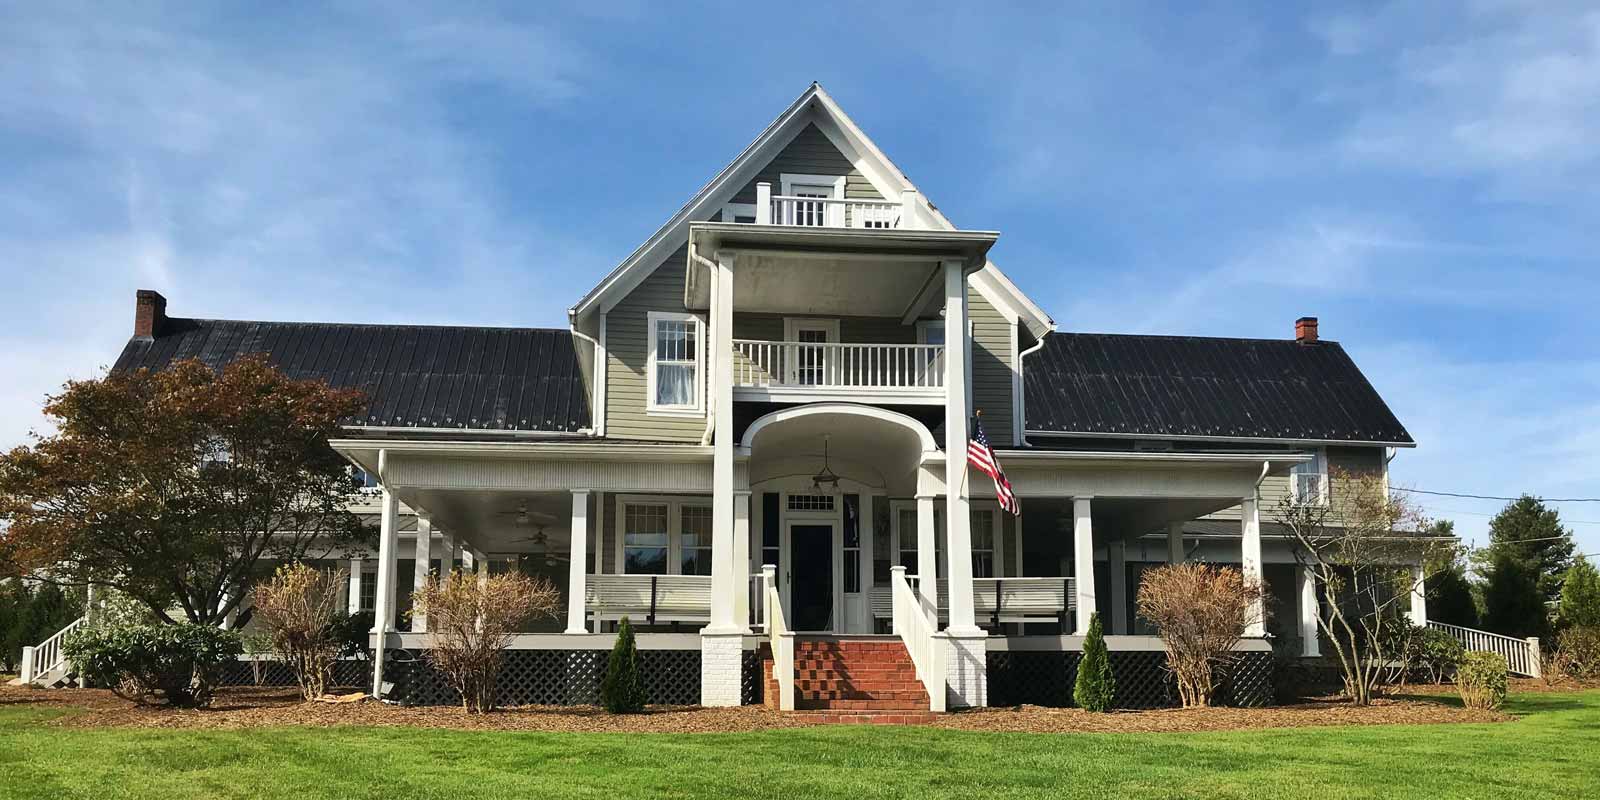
243 708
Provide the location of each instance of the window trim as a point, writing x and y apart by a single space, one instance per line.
1319 465
674 506
697 409
787 181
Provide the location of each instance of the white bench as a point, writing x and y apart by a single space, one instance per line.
649 599
999 600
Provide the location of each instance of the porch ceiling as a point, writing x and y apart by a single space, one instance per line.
488 519
1115 518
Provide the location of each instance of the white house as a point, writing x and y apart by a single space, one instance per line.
751 441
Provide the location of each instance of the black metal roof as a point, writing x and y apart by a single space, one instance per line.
505 379
1180 386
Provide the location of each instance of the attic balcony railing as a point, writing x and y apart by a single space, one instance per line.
808 367
827 212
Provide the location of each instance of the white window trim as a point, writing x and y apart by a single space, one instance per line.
655 409
674 506
924 324
787 181
1320 468
997 520
731 211
792 326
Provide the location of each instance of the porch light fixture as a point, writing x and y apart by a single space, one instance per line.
825 481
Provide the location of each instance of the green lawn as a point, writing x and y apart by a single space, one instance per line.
1552 751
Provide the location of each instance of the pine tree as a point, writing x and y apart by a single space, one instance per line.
1513 604
1095 686
1580 595
1450 598
1528 531
621 693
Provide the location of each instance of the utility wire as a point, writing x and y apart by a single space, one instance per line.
1493 497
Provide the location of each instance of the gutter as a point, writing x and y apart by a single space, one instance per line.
711 408
597 399
1021 388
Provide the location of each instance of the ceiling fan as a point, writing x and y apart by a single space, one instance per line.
522 516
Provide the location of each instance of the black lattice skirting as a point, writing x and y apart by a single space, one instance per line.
347 673
1045 679
550 677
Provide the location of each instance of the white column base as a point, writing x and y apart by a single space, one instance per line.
966 670
721 665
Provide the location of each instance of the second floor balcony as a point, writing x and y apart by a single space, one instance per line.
807 371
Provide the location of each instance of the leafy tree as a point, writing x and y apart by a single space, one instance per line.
176 487
1450 591
1513 604
1095 687
14 617
1529 532
1350 546
621 692
1580 595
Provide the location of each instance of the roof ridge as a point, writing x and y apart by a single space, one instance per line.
1185 336
390 325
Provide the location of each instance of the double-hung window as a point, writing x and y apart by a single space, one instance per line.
676 363
1309 481
694 551
983 543
645 539
665 536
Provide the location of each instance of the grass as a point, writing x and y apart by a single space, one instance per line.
1549 752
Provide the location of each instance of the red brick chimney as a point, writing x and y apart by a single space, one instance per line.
1305 330
150 313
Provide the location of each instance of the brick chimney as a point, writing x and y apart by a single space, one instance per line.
149 315
1305 330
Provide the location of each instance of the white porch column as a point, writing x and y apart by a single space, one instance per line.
1083 561
383 605
577 564
1175 543
353 602
927 559
447 553
419 573
722 641
599 537
1419 597
763 203
1250 561
1117 566
480 563
741 560
1308 611
957 517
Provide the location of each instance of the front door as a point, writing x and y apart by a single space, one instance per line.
811 578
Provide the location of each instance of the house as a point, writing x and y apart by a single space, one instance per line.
751 440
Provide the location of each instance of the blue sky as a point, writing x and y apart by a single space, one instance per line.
1423 177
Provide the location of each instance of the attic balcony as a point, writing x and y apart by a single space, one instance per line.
826 212
767 371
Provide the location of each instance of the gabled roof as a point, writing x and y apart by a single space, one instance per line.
814 105
1179 387
415 376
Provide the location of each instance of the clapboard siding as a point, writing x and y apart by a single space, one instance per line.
991 367
810 153
1275 489
627 357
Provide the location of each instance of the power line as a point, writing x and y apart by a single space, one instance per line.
1493 497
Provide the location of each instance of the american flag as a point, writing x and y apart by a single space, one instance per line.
981 455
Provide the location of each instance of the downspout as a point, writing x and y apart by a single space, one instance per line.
1021 390
597 406
711 408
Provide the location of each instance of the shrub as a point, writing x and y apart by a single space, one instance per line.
1200 612
299 607
1482 680
1095 687
1437 654
621 692
180 663
472 620
1580 595
1578 652
354 633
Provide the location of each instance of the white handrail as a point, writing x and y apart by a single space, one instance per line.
1522 655
830 212
46 656
912 624
838 365
780 636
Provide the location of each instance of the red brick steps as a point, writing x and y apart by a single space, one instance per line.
855 681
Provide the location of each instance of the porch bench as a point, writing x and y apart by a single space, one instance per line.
998 600
648 599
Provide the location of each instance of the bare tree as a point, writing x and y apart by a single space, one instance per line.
472 621
1359 546
1201 612
299 606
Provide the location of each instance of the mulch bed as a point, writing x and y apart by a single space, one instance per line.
242 708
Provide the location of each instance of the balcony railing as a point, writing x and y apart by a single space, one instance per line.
827 212
916 369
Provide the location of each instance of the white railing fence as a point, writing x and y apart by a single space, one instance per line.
835 365
1522 655
780 637
46 657
912 624
827 212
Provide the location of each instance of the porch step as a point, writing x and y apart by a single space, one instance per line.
857 677
891 717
